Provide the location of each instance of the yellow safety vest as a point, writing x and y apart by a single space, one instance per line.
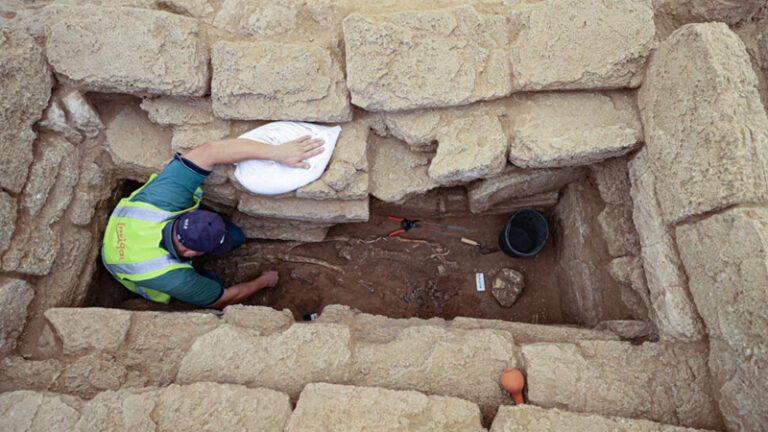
131 251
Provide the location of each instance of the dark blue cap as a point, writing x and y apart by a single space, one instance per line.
203 231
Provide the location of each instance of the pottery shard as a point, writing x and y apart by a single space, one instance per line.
614 40
671 307
726 259
81 113
15 295
278 81
325 211
516 183
708 149
89 329
336 407
137 146
565 129
127 50
667 383
171 111
396 172
280 229
469 149
31 411
428 58
284 361
529 418
8 208
507 286
25 87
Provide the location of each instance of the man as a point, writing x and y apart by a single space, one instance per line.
153 233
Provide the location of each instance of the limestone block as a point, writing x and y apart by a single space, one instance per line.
614 38
469 149
55 120
469 361
626 329
200 9
612 181
30 411
25 87
417 128
15 295
667 383
33 249
285 19
81 113
528 333
683 12
507 285
173 111
726 259
89 329
628 270
516 183
709 148
284 361
356 186
754 34
336 407
427 58
326 211
137 146
157 342
123 410
565 129
525 418
89 375
278 81
263 319
396 172
56 413
281 229
92 189
126 50
18 373
8 209
187 137
223 407
52 178
372 328
671 307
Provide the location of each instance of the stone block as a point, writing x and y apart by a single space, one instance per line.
529 418
8 213
52 179
172 111
55 120
726 259
81 113
25 87
225 194
516 183
282 19
121 410
127 50
326 211
284 361
90 375
33 249
89 329
709 146
427 58
579 44
671 307
281 229
17 373
372 328
626 329
529 333
469 149
263 319
667 383
612 181
187 137
92 189
396 172
628 270
588 128
15 296
30 411
137 146
683 12
278 81
336 407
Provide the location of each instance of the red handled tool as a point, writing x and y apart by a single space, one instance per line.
405 225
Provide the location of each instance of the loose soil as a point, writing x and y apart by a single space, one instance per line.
425 272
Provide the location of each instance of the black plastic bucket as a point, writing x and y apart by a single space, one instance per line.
524 234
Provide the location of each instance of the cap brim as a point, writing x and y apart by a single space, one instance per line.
223 247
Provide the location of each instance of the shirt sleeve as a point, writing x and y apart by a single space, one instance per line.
173 189
188 286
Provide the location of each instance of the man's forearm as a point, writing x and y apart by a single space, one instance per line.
230 151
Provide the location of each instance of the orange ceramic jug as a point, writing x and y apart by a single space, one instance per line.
513 381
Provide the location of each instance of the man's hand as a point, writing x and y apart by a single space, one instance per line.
268 279
241 291
294 153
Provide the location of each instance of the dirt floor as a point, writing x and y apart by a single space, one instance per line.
426 272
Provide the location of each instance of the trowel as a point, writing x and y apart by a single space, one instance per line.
484 250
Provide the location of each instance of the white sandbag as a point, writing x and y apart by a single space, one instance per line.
267 177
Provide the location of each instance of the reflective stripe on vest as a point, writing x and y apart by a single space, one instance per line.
143 266
147 214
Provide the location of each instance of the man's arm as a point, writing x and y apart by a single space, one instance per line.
293 153
241 291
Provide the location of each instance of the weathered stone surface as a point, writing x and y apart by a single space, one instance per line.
263 319
55 120
754 34
588 128
87 329
188 137
137 146
89 375
396 172
318 20
469 362
529 333
281 229
225 194
25 87
200 9
8 209
628 271
81 113
326 211
126 50
615 40
171 111
655 381
91 189
286 361
33 249
612 181
626 329
413 59
684 12
708 147
278 81
53 175
469 149
671 307
17 373
336 407
507 286
30 411
516 183
726 259
118 411
15 295
529 418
